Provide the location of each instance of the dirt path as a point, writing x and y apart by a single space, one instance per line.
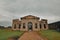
31 36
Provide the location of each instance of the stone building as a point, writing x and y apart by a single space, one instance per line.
29 23
54 25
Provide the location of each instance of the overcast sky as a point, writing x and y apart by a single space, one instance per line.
12 9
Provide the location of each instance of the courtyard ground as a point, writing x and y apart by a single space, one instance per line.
31 36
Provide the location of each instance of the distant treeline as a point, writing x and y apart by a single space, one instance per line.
3 27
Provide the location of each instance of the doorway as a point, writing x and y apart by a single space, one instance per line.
30 26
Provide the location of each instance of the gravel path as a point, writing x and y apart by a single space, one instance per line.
30 36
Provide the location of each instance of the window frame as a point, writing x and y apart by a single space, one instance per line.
14 26
19 26
24 26
36 25
40 26
45 26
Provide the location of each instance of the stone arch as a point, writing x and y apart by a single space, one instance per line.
30 26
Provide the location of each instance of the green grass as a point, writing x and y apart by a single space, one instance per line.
4 34
50 34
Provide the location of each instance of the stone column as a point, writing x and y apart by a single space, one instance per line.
46 26
33 26
26 25
17 25
21 27
38 26
42 26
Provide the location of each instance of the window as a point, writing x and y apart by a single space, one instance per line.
46 22
40 26
14 26
19 26
23 25
35 25
44 26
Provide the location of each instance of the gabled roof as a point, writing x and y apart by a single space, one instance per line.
30 16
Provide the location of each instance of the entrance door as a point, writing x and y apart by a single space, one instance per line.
30 26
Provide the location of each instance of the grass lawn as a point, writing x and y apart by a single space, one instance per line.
50 34
4 34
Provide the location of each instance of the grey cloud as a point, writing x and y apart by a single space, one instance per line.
11 9
5 23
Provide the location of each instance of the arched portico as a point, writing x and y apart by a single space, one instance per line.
30 26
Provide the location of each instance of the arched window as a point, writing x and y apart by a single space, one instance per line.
35 25
40 26
14 26
24 25
44 26
19 26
